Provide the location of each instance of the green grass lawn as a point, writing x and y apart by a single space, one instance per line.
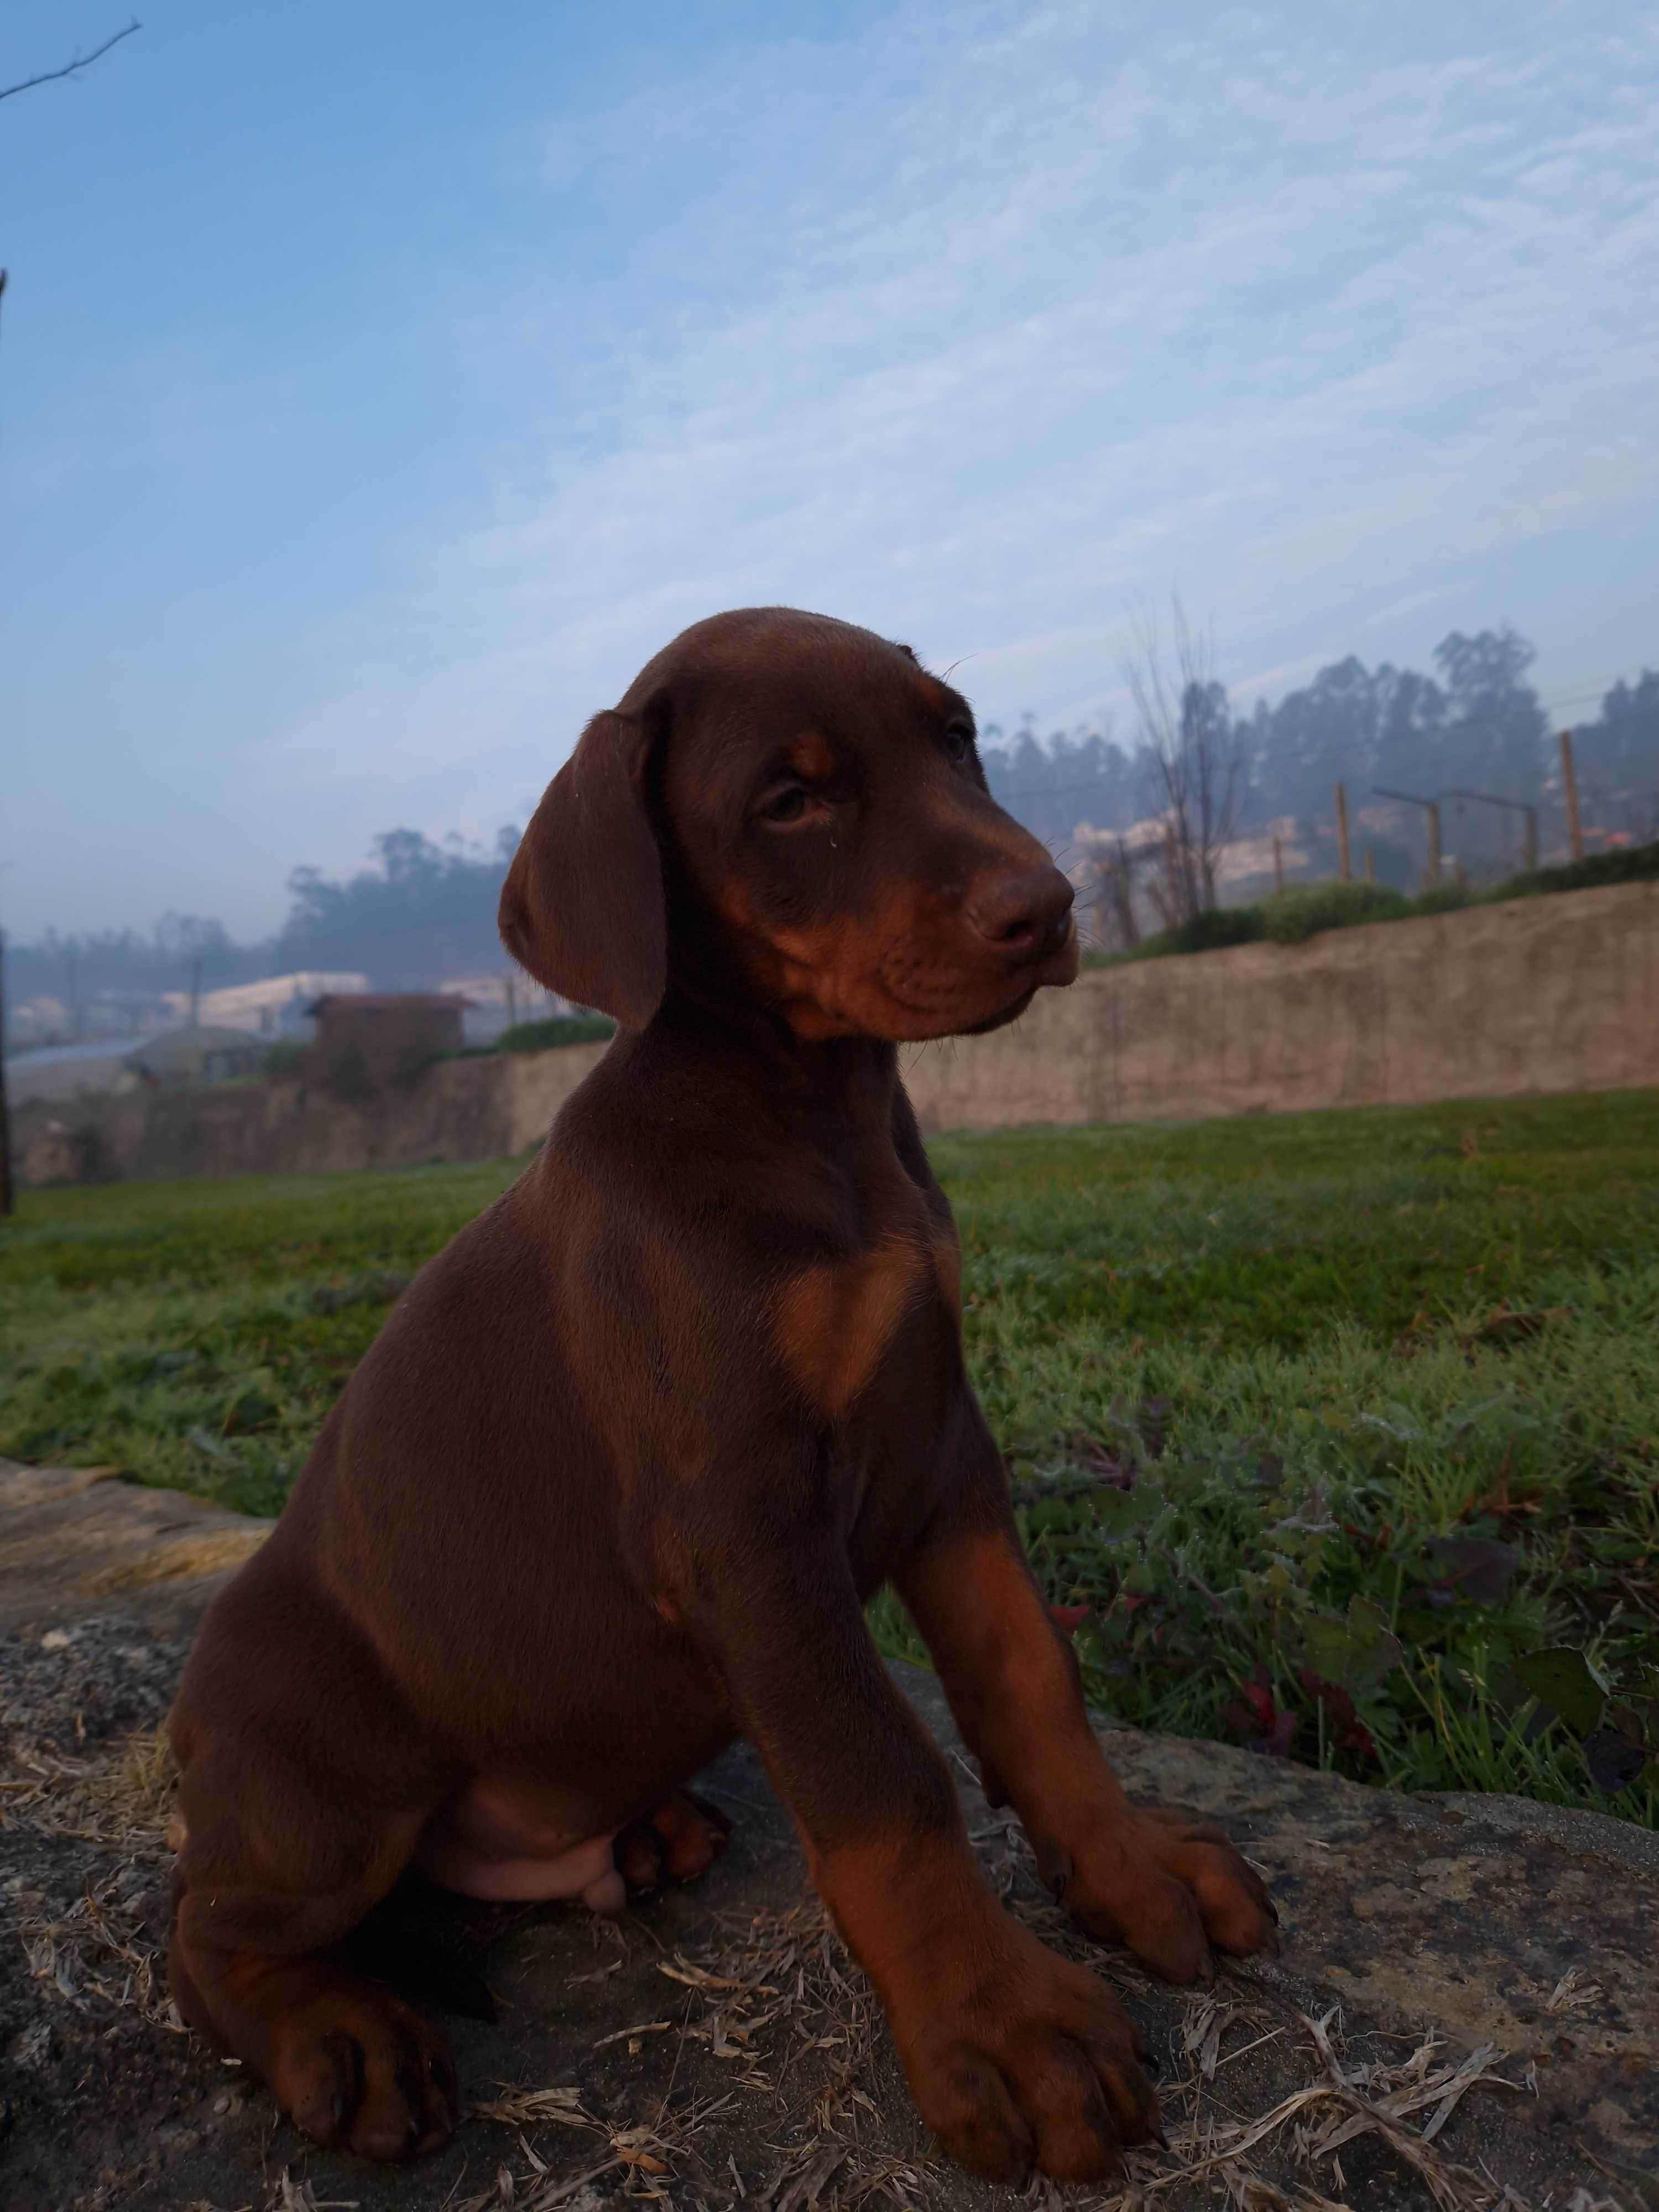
1329 1424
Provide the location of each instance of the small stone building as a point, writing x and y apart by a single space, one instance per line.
429 1019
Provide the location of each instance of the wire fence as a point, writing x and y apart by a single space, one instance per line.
1154 877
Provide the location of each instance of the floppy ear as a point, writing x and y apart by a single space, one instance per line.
582 905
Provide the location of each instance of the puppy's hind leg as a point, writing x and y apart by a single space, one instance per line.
297 1821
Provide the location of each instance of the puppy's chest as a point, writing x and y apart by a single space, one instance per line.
842 1323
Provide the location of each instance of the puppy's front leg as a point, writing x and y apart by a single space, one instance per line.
1015 2056
1169 1887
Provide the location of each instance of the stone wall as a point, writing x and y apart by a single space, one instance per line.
1545 994
457 1109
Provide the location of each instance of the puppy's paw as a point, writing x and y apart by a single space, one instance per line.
681 1840
1171 1888
358 2066
1034 2066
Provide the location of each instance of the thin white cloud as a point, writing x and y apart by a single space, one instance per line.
1242 300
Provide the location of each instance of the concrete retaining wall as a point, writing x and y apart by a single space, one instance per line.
1545 994
459 1109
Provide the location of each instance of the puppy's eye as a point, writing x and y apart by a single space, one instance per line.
787 805
959 742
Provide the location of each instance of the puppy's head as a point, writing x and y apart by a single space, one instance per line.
792 810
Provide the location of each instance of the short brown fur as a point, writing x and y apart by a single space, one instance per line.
617 1479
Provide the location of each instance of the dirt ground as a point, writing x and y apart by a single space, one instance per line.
1466 2013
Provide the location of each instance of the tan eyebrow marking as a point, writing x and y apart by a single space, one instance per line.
810 755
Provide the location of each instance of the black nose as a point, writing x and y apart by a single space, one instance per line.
1027 914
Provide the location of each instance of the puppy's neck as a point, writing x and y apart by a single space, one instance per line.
859 1075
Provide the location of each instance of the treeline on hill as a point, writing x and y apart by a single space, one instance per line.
423 913
1478 724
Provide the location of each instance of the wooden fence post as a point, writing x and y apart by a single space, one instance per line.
1342 867
1570 786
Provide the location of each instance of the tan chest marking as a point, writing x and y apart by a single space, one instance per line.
835 1319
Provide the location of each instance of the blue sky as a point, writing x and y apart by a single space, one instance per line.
380 385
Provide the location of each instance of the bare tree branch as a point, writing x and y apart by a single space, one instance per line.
71 68
1115 896
1194 755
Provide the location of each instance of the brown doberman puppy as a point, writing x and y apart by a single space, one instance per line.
615 1481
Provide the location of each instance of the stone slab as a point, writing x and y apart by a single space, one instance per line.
72 1538
715 2046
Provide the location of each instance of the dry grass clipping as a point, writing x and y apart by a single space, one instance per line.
774 1996
123 1799
638 2161
93 1952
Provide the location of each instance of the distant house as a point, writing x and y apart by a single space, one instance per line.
275 1006
431 1019
63 1073
498 1002
60 1073
1249 860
